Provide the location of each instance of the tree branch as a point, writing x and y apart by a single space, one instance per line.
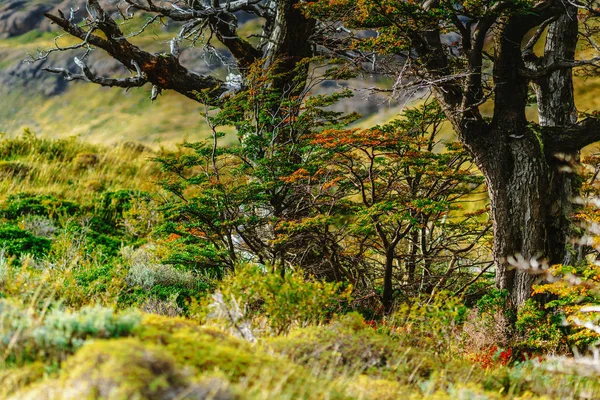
536 73
163 71
571 138
88 75
528 49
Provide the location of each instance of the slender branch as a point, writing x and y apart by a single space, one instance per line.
528 49
536 73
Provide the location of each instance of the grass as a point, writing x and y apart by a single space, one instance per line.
78 170
82 321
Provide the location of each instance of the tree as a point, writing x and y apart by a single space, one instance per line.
242 203
468 53
472 54
403 187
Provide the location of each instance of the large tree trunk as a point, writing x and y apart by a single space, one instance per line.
510 154
517 177
529 196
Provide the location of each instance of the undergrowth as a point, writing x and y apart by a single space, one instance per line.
93 306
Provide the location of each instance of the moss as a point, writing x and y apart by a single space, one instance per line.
364 387
203 348
346 345
14 379
126 369
123 369
255 372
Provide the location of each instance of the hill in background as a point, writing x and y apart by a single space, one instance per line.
50 106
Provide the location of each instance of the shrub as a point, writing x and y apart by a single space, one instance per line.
538 329
146 272
26 336
347 345
38 225
114 203
85 160
430 323
169 307
21 204
285 301
17 242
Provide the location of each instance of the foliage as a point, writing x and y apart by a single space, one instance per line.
22 204
285 301
403 188
17 242
431 323
51 336
234 200
302 189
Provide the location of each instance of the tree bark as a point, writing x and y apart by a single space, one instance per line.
511 157
556 108
387 297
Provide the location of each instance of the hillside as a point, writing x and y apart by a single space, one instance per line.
309 238
89 310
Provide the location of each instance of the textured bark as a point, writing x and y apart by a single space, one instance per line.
388 282
289 42
511 157
516 172
556 108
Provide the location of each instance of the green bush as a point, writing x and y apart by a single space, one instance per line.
27 336
152 282
16 206
66 330
284 301
430 323
17 242
538 329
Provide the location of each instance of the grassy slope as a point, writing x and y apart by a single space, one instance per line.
341 359
99 115
65 349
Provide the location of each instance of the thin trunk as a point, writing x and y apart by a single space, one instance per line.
556 107
388 280
411 263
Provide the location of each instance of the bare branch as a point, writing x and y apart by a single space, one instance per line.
571 138
535 73
528 49
90 76
161 70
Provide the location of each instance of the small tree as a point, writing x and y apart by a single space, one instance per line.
235 199
404 188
